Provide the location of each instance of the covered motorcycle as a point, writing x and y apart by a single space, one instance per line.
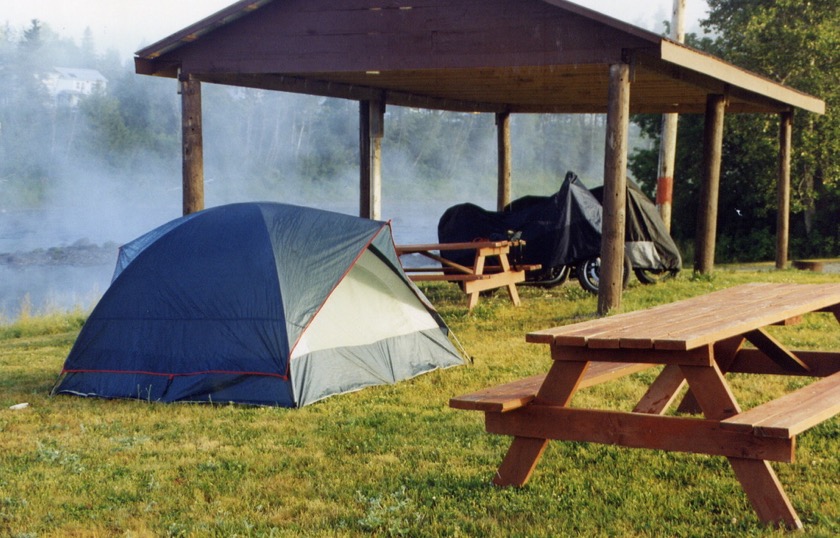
559 231
562 233
652 252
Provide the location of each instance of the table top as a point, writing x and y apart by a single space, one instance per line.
702 320
467 245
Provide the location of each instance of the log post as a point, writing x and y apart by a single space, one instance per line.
192 145
371 131
704 257
783 204
615 190
503 142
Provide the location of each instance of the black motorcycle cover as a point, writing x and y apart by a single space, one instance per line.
562 229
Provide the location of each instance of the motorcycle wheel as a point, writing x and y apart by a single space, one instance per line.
589 274
652 276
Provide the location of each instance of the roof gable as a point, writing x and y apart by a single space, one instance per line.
476 55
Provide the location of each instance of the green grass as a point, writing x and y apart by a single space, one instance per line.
386 461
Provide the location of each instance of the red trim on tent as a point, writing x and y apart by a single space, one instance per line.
171 375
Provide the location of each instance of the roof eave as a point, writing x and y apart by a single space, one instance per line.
694 60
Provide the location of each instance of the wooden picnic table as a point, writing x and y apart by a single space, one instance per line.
478 277
698 341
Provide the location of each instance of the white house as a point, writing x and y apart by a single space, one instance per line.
66 85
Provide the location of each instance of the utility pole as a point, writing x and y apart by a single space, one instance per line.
668 143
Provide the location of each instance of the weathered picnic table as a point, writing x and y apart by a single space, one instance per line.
697 340
479 277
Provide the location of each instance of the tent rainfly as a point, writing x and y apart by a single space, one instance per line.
256 303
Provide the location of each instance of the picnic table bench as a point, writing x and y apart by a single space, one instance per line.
697 341
479 277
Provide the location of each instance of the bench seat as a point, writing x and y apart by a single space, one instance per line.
521 392
793 413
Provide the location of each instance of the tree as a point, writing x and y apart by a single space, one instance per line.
793 43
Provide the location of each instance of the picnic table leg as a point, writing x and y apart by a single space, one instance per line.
524 453
514 295
662 392
478 269
520 461
511 288
472 300
836 311
765 493
725 352
757 478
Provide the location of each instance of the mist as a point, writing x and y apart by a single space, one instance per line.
81 176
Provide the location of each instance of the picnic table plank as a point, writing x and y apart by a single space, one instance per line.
701 315
584 332
448 278
787 302
696 321
793 413
516 394
466 245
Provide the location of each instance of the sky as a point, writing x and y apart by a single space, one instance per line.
128 25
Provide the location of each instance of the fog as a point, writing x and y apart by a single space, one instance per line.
80 177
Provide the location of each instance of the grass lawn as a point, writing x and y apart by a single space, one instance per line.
385 461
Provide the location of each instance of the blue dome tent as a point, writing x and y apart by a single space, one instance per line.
256 303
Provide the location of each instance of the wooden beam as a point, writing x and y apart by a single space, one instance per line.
354 92
615 190
192 146
783 198
704 257
364 159
635 430
503 143
771 347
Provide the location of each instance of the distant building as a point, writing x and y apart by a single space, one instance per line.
66 85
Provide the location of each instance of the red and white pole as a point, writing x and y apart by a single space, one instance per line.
668 143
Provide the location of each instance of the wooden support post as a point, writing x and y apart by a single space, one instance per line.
503 139
364 159
783 204
704 257
371 131
192 146
615 190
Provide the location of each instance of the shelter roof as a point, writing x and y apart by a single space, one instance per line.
467 55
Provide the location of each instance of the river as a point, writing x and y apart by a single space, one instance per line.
55 260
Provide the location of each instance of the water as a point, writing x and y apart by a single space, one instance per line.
44 289
34 286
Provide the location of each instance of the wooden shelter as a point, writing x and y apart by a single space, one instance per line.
493 56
